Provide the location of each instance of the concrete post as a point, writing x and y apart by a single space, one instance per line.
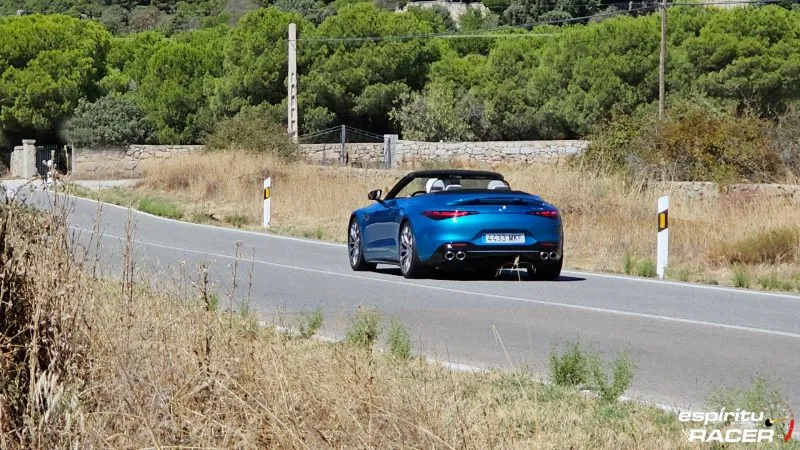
342 142
23 160
29 158
292 83
389 144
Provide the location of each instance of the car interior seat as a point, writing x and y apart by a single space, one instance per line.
453 187
433 185
499 185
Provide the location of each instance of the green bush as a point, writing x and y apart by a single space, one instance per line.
313 10
679 273
313 233
571 368
773 282
740 277
639 267
237 220
610 388
694 145
628 263
785 138
770 282
437 15
646 268
309 324
576 367
365 329
612 146
761 395
212 301
252 129
438 113
111 120
114 18
160 208
399 341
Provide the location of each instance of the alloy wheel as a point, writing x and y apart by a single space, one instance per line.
354 242
406 248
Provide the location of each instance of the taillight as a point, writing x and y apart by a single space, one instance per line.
550 214
440 215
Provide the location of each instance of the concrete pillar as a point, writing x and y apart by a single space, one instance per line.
23 160
389 145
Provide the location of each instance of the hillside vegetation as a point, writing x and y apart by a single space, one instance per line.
73 77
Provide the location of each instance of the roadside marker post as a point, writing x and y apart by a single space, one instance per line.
267 200
662 251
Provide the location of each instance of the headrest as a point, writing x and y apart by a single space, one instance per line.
434 184
499 185
452 187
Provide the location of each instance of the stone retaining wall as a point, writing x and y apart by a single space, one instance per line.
701 190
131 161
363 155
123 163
539 152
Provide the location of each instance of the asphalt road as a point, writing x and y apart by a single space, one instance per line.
687 340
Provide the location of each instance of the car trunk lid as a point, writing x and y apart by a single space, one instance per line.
498 203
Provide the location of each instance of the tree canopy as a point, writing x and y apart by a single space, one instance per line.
366 66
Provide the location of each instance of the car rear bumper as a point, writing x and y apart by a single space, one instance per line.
472 231
455 253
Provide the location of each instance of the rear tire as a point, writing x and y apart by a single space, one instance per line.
355 247
549 272
410 265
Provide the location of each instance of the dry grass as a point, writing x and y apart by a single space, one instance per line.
42 352
306 200
771 246
123 366
606 217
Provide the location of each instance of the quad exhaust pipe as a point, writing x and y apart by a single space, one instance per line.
551 255
450 255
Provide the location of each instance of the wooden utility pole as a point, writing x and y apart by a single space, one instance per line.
292 82
663 61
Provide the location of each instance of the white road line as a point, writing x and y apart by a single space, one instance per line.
478 294
575 272
682 284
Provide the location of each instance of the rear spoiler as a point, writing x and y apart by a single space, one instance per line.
525 199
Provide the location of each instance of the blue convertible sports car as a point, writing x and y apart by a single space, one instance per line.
456 219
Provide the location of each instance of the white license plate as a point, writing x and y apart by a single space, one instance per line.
504 238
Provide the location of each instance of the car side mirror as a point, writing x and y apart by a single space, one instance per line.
375 195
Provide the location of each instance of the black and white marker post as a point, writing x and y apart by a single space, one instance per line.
267 200
662 251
